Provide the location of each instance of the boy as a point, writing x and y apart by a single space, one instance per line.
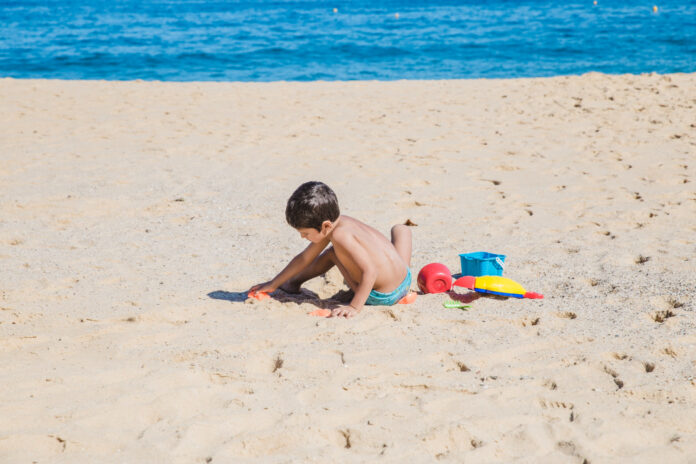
375 269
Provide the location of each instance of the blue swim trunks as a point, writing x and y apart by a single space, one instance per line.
387 299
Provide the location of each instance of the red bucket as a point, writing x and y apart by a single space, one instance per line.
434 278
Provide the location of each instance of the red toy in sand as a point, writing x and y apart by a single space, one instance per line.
434 278
258 295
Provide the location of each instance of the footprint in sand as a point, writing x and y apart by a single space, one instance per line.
619 383
661 316
550 384
669 351
462 367
571 449
529 321
551 404
277 363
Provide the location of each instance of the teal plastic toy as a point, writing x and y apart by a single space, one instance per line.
482 263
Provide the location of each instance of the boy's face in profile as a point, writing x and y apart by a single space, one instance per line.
311 234
314 235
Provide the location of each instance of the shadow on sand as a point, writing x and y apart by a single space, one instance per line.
304 296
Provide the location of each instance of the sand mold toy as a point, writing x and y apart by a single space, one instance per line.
321 313
409 298
258 295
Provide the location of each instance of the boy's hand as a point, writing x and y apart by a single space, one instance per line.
344 311
265 287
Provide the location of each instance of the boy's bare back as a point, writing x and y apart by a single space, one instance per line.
359 246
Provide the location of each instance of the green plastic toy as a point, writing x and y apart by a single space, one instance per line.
456 305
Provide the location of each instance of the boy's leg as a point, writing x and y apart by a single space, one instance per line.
401 239
319 266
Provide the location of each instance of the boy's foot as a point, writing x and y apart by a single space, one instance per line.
290 287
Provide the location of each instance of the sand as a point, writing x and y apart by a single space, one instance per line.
133 215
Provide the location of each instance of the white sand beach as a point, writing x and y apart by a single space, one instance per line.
133 215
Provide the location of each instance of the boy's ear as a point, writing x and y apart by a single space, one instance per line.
326 226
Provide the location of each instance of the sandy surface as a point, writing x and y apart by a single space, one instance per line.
133 215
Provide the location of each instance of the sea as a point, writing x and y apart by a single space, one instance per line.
264 40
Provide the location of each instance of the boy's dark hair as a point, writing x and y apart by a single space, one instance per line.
310 205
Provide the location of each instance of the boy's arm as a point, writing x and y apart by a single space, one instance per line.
295 265
368 271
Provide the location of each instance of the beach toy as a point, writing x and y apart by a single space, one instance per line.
496 285
482 263
258 295
455 304
321 313
408 299
434 278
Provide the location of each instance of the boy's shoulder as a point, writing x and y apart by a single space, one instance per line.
346 228
349 228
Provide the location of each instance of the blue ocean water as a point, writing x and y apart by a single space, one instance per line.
263 40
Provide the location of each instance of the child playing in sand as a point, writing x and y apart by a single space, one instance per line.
376 269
